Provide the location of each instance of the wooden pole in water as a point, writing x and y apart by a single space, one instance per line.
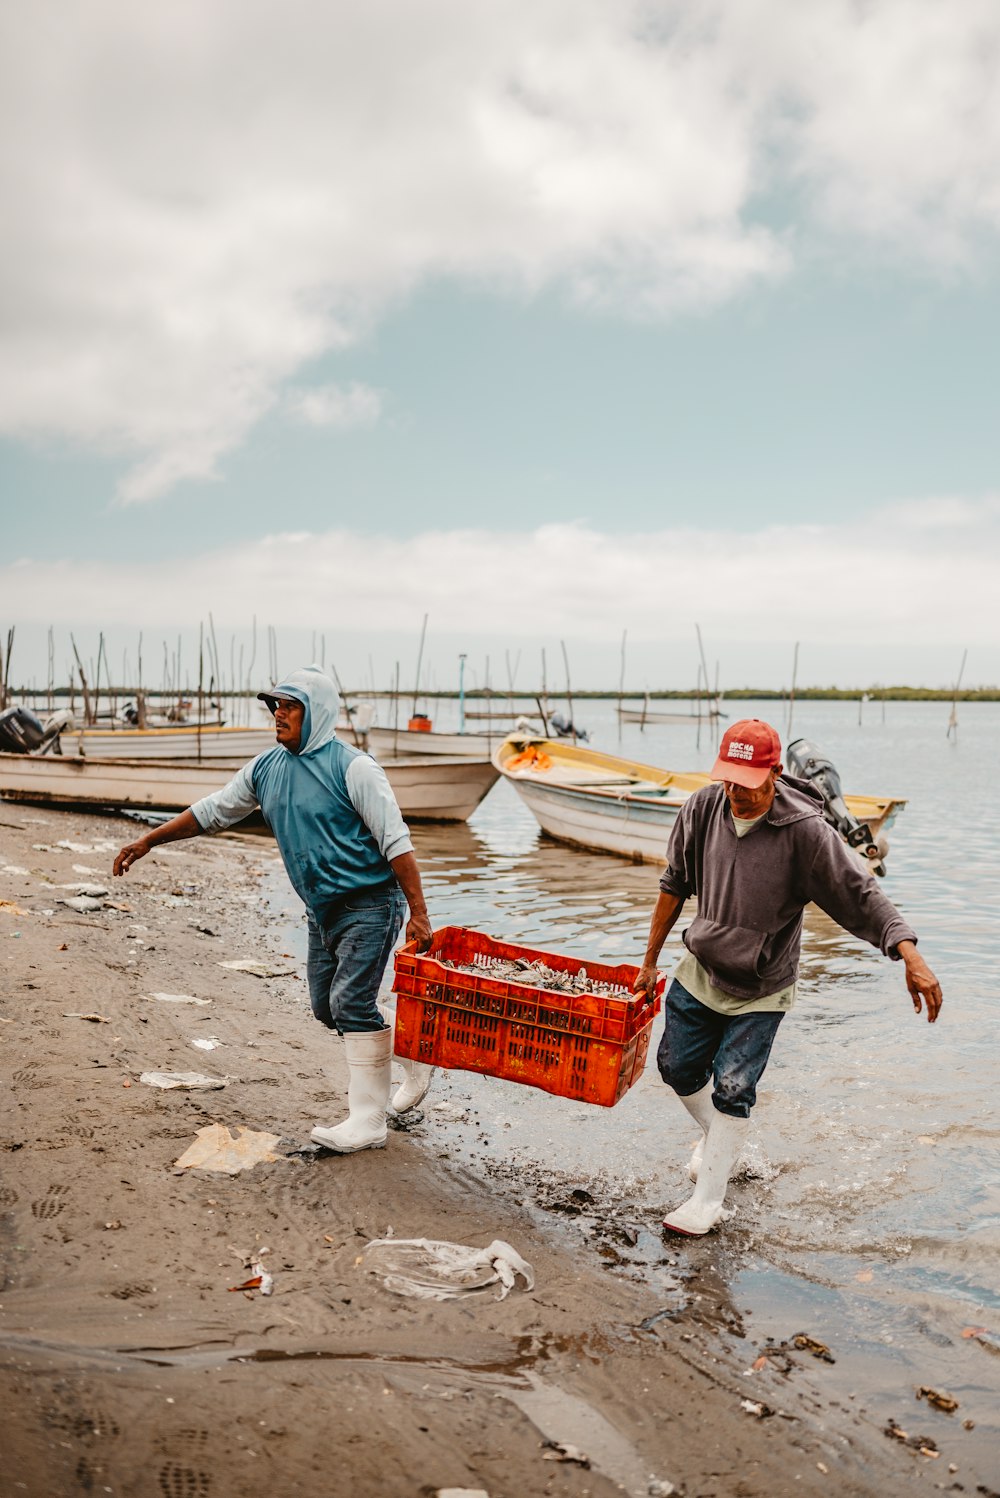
953 719
83 678
420 658
791 695
201 681
569 690
621 682
347 709
395 715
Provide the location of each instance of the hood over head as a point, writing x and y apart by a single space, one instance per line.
315 690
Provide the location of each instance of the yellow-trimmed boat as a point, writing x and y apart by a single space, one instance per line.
614 805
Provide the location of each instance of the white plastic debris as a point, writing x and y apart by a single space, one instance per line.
257 969
82 904
12 868
216 1149
208 1044
178 998
192 1080
428 1269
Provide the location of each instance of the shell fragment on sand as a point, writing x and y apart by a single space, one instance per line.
257 969
177 998
215 1148
193 1081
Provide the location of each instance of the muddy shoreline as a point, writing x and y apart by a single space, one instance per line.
127 1363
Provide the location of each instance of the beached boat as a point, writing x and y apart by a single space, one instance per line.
219 741
614 805
434 789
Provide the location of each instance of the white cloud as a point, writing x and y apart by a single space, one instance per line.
339 406
915 591
202 199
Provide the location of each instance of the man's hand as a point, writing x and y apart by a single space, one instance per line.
646 981
131 854
924 987
419 929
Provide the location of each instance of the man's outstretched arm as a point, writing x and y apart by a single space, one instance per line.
186 825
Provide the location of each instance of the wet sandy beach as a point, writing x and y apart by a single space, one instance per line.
129 1366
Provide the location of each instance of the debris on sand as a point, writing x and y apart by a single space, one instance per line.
559 1451
428 1269
215 1148
943 1402
82 904
926 1445
257 969
193 1081
95 1019
805 1343
177 998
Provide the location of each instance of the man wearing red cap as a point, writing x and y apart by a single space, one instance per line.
755 849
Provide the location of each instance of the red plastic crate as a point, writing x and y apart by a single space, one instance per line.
583 1046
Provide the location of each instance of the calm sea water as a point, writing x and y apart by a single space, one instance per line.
873 1220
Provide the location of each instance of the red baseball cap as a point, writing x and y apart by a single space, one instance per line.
748 753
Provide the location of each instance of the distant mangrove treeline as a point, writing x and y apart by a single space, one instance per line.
739 694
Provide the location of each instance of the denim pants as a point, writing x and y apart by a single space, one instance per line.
698 1043
348 955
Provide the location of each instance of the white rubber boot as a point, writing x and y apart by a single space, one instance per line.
369 1062
702 1110
723 1143
415 1085
416 1081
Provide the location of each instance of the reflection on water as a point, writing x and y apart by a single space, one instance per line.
877 1137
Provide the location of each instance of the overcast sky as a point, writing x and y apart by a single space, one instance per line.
548 318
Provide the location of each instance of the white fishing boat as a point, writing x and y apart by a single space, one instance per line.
219 741
708 712
614 805
432 789
392 743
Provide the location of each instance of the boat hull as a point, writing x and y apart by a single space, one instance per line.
428 790
215 741
613 805
390 743
639 833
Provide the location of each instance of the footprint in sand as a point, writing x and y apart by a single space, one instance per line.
51 1204
183 1482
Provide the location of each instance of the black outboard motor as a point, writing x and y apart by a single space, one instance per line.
565 729
807 763
22 733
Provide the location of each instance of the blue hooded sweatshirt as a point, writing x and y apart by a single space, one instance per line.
331 809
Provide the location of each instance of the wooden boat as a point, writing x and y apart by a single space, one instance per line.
710 713
392 743
432 789
615 805
219 741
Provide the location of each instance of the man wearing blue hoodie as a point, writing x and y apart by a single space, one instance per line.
348 855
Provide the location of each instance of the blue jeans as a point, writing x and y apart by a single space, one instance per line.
348 954
698 1044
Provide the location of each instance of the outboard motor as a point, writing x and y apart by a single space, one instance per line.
808 763
565 729
22 733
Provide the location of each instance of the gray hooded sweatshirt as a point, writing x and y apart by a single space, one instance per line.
752 890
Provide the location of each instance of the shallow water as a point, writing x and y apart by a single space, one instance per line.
876 1138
